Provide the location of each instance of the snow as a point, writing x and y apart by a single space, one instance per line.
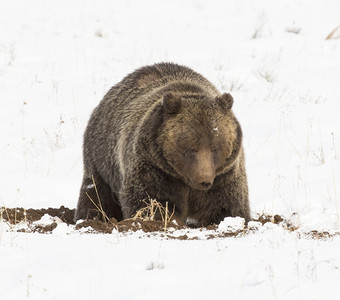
231 224
90 186
271 263
47 219
56 62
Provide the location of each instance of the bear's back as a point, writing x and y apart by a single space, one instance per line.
163 74
140 90
156 78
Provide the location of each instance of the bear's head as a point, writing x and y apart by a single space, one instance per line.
200 137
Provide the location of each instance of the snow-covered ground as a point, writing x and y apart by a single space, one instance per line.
57 59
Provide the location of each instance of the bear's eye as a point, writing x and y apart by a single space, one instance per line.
216 153
191 152
214 149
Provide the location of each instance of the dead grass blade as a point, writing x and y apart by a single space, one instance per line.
334 34
153 208
99 206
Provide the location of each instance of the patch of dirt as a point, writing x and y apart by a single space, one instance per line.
96 225
314 234
17 215
14 216
45 228
126 225
263 219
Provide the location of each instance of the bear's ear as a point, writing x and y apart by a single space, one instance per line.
225 101
171 103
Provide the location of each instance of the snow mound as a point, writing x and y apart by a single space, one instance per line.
46 219
231 224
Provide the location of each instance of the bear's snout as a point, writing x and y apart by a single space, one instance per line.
204 170
204 180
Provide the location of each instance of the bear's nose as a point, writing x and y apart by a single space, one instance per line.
205 184
205 181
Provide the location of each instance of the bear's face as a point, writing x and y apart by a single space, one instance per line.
197 137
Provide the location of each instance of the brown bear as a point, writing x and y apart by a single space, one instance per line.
164 132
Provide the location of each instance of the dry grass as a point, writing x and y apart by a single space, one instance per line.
5 217
258 32
334 148
334 34
99 206
267 74
2 211
154 210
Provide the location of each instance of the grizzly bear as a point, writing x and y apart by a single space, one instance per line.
166 133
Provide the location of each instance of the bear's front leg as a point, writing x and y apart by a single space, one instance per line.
139 189
96 200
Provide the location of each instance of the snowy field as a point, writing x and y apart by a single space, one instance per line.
57 60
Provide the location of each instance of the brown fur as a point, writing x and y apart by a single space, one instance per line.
165 132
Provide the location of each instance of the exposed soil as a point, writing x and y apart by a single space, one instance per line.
126 225
15 216
263 219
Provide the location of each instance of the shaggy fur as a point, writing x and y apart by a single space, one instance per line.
165 132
